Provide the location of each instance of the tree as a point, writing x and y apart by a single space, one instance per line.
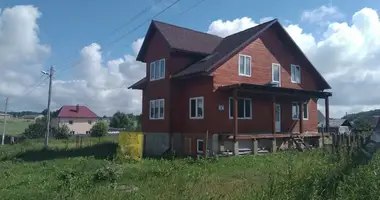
122 120
36 130
99 129
362 125
62 132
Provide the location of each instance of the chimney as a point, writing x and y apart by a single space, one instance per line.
77 109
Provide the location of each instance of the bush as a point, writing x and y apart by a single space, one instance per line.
36 130
109 173
62 132
99 129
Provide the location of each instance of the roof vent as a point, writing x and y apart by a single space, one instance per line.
77 108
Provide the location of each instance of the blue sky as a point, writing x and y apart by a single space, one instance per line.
68 26
341 38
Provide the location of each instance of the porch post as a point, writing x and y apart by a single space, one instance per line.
236 144
300 106
273 115
274 143
327 118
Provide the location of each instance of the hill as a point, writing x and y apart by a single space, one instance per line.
362 115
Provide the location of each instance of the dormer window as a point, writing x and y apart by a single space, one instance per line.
244 65
157 70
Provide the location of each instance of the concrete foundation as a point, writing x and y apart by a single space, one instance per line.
156 144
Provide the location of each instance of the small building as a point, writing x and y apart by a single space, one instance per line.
204 93
336 126
32 117
79 119
3 115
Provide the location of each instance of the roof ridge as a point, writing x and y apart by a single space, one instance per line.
262 24
187 28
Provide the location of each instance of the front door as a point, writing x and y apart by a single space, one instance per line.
278 118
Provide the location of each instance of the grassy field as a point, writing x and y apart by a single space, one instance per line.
66 172
14 126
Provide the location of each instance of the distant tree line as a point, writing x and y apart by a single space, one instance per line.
128 122
22 113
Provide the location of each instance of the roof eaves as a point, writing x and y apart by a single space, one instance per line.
307 59
252 38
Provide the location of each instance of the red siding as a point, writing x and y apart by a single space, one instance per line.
158 49
264 51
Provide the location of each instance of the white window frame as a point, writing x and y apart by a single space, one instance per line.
279 73
305 104
154 66
245 67
293 72
196 106
230 115
158 103
199 140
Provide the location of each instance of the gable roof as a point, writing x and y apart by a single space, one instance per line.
218 50
181 39
321 117
335 123
229 46
76 112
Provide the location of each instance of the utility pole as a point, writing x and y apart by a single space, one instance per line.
50 74
5 120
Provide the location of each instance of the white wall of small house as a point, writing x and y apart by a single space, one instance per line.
79 125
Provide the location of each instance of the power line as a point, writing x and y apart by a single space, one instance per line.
145 10
129 32
197 4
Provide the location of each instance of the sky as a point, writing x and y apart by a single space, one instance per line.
93 46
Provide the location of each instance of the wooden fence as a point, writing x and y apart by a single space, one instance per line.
344 140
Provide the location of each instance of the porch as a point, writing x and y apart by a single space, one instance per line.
274 94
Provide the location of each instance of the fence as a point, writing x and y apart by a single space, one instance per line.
347 140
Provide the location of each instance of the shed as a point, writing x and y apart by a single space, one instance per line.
340 126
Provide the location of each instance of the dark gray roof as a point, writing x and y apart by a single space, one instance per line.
321 117
227 47
335 123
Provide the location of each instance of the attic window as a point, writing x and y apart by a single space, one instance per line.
157 70
295 74
244 65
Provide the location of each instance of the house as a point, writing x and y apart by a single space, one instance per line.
337 126
79 119
203 93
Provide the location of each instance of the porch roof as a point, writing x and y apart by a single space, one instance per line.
253 88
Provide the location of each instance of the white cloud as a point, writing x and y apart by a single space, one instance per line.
322 15
225 28
346 55
22 55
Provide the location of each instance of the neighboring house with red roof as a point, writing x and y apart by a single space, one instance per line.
232 91
79 119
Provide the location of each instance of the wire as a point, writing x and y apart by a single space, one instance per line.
122 26
32 88
129 32
197 4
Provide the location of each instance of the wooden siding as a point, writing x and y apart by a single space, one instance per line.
264 51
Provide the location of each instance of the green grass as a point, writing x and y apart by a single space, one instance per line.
66 172
14 126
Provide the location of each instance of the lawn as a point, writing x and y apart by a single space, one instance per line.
67 172
14 126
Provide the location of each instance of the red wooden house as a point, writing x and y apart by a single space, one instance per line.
254 84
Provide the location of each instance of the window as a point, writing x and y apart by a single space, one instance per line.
89 122
71 122
196 108
156 109
295 74
157 70
276 74
296 111
305 111
244 65
244 108
199 146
